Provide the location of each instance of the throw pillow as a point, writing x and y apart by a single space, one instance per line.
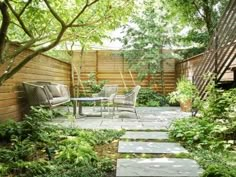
40 96
54 90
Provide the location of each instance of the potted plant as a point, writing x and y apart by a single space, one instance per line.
184 94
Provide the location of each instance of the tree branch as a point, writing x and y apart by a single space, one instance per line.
22 48
9 74
3 29
26 30
198 10
85 24
82 11
26 5
58 18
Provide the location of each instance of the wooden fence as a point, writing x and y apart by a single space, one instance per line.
109 65
41 68
187 68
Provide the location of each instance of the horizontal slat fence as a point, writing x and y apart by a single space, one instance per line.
41 68
187 68
109 65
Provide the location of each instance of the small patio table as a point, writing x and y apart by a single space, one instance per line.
79 101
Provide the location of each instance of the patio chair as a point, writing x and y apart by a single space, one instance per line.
106 92
127 101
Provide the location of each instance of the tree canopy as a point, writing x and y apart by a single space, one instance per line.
145 37
200 17
41 25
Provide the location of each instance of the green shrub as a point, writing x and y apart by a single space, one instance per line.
206 136
220 104
93 85
196 132
8 129
35 148
185 91
219 170
149 97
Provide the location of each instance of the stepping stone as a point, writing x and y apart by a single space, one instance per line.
158 167
150 147
145 135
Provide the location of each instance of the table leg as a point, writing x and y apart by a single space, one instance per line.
101 107
80 108
74 107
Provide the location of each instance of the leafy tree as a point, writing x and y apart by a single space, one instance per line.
145 37
41 25
200 16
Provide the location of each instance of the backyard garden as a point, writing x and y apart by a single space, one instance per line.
175 69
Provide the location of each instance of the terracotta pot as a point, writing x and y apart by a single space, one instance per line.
186 106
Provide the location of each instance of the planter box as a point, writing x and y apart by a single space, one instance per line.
186 106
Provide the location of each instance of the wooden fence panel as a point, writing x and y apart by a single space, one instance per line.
109 65
41 68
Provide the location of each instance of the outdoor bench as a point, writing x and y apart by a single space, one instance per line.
46 94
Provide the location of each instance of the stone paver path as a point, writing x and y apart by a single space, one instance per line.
154 167
145 135
150 147
158 167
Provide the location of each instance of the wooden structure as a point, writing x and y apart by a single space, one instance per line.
41 68
109 65
187 68
221 51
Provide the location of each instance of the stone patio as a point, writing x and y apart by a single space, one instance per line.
150 119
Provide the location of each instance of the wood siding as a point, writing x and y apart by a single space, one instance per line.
187 68
42 68
109 65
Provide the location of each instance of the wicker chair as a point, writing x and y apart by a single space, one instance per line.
109 92
127 101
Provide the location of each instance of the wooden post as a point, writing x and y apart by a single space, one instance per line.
123 80
132 78
96 74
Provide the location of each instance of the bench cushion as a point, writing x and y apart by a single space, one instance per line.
55 90
58 100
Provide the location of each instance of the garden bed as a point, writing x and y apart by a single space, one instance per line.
34 148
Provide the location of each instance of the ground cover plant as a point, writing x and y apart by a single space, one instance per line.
210 137
149 97
35 148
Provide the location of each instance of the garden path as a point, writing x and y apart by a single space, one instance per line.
140 141
132 143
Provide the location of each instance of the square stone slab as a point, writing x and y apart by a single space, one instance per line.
145 135
158 167
150 147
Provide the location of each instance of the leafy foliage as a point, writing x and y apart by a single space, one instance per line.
144 39
149 97
92 84
39 149
198 18
219 171
185 91
42 25
211 135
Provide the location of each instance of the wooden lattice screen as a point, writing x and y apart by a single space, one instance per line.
221 50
